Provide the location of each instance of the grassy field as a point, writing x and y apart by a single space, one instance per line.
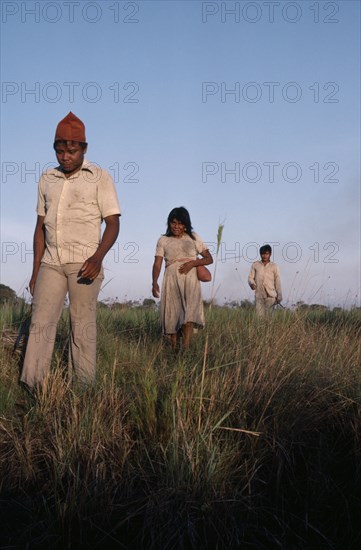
252 439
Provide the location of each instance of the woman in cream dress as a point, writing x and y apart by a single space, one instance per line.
181 300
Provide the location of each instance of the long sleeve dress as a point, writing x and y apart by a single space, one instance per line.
181 297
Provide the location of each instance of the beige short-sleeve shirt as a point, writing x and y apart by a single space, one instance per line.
267 279
74 209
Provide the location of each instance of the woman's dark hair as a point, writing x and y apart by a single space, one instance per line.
265 248
180 214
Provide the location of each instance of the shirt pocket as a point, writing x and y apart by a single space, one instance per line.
82 202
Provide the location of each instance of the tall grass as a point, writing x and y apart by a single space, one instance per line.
274 463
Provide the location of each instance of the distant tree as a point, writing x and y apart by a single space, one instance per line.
7 294
318 307
247 304
301 306
149 303
243 304
128 304
232 304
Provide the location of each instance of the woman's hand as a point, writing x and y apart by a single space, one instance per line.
185 268
155 290
155 274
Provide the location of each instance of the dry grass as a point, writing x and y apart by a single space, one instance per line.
253 444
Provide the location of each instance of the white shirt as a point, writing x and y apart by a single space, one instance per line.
267 279
74 209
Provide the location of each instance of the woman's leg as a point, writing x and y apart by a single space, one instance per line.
187 334
173 340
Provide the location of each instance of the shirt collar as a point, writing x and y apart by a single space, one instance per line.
87 166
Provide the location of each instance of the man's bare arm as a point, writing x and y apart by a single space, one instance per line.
39 249
92 266
251 278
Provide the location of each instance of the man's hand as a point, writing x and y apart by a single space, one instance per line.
91 268
32 284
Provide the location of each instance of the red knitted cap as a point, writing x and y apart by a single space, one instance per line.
70 128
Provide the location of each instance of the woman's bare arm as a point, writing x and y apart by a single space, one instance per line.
157 266
206 259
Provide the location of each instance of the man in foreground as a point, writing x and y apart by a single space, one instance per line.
264 278
73 199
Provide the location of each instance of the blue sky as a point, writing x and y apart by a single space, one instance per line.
277 160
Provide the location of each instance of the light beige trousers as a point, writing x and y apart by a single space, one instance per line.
52 285
264 305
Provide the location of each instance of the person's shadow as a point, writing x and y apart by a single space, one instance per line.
21 341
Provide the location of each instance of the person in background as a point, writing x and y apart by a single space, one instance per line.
73 200
181 299
264 279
